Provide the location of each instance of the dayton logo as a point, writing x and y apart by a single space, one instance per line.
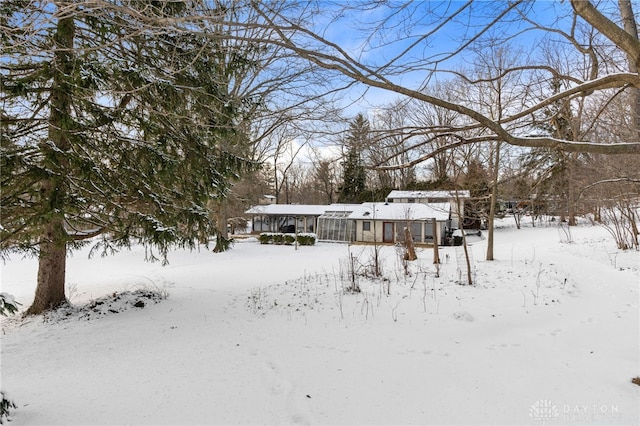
544 411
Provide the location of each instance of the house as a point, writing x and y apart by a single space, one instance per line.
334 224
268 199
386 222
329 222
368 222
456 198
284 217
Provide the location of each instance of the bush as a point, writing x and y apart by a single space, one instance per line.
265 238
8 304
6 405
304 239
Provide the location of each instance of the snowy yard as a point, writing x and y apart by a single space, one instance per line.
549 334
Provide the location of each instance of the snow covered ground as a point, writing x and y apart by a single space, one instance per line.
549 334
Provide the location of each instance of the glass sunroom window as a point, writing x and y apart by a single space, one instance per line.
334 226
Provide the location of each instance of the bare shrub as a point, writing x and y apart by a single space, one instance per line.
621 221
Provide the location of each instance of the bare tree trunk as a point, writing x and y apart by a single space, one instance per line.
492 206
467 260
596 212
276 184
52 263
630 26
571 183
221 220
436 253
50 292
631 215
411 251
376 248
464 242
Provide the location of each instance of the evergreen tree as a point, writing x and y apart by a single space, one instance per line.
353 178
114 125
354 174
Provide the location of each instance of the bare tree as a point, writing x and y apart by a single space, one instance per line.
325 179
389 146
421 22
440 147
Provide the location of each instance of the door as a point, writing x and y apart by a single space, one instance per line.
387 232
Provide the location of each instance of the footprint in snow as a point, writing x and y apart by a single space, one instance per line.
463 316
279 385
503 346
554 333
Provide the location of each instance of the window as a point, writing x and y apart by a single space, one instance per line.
334 226
416 232
366 225
428 231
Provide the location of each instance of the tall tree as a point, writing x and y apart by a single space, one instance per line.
118 125
388 147
324 181
353 178
421 22
494 92
354 174
441 147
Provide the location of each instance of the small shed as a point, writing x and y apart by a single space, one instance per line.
385 222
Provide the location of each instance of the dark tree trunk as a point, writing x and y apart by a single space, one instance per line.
50 292
411 251
571 188
52 264
630 26
495 169
436 253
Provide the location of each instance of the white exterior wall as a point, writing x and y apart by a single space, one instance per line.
375 234
453 202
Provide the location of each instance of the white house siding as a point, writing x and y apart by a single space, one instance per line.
434 197
418 217
344 222
420 231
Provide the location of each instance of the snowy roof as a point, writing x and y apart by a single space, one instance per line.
299 209
383 211
428 194
401 211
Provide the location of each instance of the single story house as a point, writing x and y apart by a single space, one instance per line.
368 222
456 198
386 222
